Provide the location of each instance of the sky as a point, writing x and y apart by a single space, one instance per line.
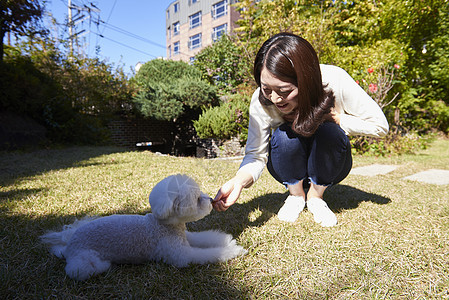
129 31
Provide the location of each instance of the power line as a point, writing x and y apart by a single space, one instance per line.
110 13
124 45
106 25
130 34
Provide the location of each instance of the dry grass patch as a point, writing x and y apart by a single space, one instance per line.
392 240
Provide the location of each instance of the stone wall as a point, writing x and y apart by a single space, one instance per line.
212 148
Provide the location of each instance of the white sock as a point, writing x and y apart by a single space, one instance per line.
321 212
291 209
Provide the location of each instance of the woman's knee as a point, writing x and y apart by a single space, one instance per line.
280 136
332 135
284 139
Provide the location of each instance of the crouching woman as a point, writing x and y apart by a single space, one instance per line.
300 117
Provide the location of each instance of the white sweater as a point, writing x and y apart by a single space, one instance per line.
359 115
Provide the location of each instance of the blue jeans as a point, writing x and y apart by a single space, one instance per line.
324 158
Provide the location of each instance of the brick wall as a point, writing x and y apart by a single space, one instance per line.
129 132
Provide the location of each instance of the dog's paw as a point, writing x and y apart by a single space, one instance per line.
240 250
233 250
230 241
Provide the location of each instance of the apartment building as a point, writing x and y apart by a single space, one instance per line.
192 25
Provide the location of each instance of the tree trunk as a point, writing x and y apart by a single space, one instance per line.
2 36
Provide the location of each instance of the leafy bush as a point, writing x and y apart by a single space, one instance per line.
221 65
72 98
369 35
394 143
168 89
25 89
230 119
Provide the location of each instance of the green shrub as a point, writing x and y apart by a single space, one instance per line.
47 94
26 90
169 89
395 143
221 64
228 120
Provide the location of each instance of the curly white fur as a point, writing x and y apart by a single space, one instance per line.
90 245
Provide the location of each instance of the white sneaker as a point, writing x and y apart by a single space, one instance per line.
291 209
321 212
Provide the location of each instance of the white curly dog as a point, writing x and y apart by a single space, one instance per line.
90 245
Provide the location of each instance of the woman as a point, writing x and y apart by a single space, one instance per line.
300 117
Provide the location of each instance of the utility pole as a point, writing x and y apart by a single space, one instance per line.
70 29
73 20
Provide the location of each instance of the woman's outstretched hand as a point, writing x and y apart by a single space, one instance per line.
229 193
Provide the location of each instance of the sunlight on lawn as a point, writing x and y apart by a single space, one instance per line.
391 241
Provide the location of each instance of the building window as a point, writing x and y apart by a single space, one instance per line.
192 2
219 31
168 14
192 60
176 7
169 32
176 28
176 48
169 51
195 20
220 9
195 41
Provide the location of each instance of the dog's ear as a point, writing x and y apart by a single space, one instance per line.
172 194
186 188
161 200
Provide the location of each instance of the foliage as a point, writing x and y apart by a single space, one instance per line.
230 119
405 43
377 83
93 86
261 20
26 90
15 15
421 26
221 65
168 89
382 83
392 144
96 88
73 98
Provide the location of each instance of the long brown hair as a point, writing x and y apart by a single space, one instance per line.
291 58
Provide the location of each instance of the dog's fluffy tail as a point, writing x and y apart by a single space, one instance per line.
58 240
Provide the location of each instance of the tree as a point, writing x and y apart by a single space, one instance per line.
422 28
169 89
15 15
221 65
310 19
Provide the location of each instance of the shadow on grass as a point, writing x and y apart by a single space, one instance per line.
18 194
257 212
17 165
342 197
29 271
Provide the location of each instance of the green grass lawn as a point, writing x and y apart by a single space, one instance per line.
391 242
